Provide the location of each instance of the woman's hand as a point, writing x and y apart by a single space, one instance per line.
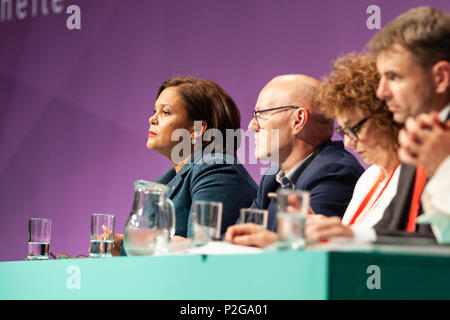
178 238
118 240
326 227
313 219
250 234
118 243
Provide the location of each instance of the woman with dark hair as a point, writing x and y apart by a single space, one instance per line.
201 113
195 106
201 168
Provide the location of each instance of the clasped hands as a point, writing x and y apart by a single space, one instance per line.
425 141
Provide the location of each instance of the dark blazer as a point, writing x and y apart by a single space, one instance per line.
396 215
213 177
330 178
395 218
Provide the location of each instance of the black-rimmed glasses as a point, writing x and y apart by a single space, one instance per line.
256 113
353 131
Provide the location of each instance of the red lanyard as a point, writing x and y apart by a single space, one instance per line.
370 194
419 184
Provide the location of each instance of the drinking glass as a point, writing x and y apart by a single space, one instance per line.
39 231
256 216
291 217
207 219
102 235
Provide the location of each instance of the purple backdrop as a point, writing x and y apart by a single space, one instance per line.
74 104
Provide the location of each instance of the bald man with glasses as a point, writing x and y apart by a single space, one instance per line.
290 131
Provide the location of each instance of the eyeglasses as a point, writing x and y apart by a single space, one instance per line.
353 131
256 115
65 256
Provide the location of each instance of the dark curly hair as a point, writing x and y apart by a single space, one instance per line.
352 86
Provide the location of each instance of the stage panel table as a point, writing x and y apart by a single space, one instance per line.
371 272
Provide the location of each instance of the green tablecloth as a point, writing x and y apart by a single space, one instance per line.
374 272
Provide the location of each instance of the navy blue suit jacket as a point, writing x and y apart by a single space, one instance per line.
330 178
213 177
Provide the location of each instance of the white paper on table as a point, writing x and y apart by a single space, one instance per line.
343 244
214 247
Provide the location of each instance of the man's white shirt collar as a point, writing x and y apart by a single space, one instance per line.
291 172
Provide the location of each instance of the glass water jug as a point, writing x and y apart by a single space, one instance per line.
151 223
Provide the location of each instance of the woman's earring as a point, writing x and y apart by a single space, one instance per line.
193 141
